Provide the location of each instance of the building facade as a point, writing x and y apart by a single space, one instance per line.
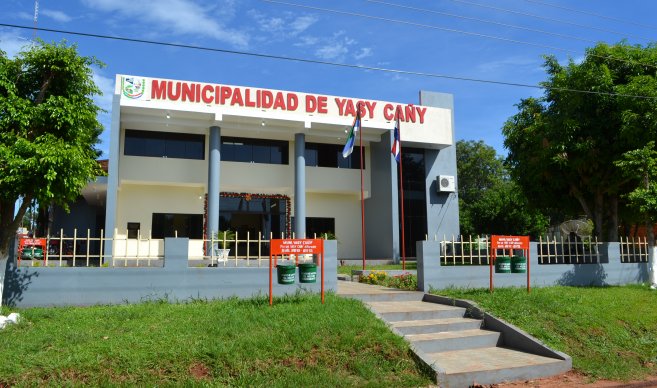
192 159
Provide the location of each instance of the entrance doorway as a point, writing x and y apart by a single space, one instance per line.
258 214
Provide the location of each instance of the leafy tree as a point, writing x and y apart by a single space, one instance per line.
479 168
489 202
48 130
562 147
641 165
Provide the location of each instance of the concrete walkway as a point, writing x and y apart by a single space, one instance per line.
458 348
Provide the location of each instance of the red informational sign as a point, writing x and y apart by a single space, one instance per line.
296 246
509 242
27 243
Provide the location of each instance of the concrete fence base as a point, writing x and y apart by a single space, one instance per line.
610 271
175 281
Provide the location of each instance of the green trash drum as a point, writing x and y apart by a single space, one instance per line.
286 273
503 264
518 264
307 273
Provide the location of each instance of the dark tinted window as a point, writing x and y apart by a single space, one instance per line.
318 226
164 144
330 155
415 202
238 149
185 225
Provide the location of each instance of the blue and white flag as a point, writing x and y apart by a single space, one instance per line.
396 143
351 139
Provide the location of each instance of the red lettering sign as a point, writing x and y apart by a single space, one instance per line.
509 242
296 246
278 100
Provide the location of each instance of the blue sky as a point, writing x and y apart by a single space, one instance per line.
409 39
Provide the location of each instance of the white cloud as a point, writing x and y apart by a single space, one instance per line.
302 23
106 85
25 16
363 53
335 48
12 43
177 16
510 62
332 50
282 26
307 41
56 15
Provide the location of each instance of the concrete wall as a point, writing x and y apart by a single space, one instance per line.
442 208
163 170
81 216
346 211
609 272
137 203
381 209
3 265
44 286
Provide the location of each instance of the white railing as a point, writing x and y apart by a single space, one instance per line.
145 251
75 251
471 250
239 251
464 250
634 250
137 252
552 250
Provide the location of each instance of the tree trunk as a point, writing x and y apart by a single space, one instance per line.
598 210
582 201
9 223
612 221
4 254
652 255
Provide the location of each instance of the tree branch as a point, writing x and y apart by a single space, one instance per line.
43 89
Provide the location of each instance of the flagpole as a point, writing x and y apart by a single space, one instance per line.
362 197
401 193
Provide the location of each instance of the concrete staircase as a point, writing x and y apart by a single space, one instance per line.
459 348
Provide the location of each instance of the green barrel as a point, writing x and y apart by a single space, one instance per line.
518 264
285 273
307 273
503 264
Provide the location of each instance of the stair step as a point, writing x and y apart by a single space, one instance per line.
493 365
414 310
371 293
436 325
454 340
399 296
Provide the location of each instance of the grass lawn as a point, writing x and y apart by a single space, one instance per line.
610 332
346 269
297 342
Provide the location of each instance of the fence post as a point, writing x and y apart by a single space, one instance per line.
88 233
259 248
236 248
101 253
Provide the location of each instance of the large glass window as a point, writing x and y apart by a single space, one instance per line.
319 226
330 155
164 144
182 225
415 203
239 149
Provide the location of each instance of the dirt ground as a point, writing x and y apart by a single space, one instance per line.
573 379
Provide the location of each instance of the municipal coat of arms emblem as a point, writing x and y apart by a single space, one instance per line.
133 87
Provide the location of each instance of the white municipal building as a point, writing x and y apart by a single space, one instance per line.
191 158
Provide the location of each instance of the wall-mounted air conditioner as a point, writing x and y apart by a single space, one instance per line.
446 184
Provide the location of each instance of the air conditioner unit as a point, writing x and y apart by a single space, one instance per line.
446 184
